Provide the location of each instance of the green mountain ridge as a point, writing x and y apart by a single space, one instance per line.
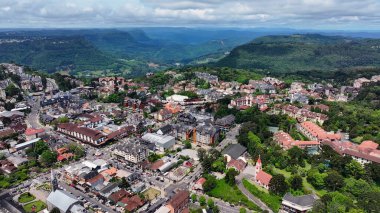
304 53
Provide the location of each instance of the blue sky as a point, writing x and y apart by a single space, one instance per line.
307 14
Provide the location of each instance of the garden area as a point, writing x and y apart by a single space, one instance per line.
34 206
272 201
231 194
26 197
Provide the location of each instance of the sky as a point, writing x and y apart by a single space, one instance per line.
298 14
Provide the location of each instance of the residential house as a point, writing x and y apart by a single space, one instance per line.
179 203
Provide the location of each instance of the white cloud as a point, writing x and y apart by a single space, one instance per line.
245 13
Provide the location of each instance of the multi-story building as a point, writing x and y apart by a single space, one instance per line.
133 151
316 133
205 134
287 142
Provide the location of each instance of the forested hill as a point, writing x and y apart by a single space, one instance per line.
304 52
53 53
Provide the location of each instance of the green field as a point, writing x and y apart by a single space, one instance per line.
26 197
39 206
272 201
232 195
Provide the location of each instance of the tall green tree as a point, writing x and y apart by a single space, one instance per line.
334 180
296 182
278 185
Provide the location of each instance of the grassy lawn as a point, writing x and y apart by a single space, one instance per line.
26 197
306 184
272 201
232 195
151 193
39 206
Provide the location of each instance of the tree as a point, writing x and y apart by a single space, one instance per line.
334 180
316 179
201 154
55 210
242 210
215 209
124 183
209 184
193 198
278 185
38 148
354 169
373 171
296 182
210 203
218 166
370 201
356 187
202 200
296 156
11 90
187 144
230 176
48 157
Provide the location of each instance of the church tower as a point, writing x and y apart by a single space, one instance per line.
258 166
54 181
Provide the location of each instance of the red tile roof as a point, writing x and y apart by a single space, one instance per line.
31 131
263 177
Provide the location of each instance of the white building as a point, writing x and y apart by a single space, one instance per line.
162 142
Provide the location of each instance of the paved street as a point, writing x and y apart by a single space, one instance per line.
254 199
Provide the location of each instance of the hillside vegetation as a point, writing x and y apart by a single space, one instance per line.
304 53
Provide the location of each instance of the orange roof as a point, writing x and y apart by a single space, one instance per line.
31 131
201 181
318 132
111 171
368 145
263 177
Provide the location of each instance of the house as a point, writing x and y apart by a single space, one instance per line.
131 204
118 195
234 151
163 114
226 122
297 204
199 184
179 203
65 202
95 181
261 178
238 165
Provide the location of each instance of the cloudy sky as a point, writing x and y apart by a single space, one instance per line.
310 14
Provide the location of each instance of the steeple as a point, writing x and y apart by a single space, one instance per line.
258 167
54 181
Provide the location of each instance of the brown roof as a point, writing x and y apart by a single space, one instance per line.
94 134
117 196
96 178
179 198
157 164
